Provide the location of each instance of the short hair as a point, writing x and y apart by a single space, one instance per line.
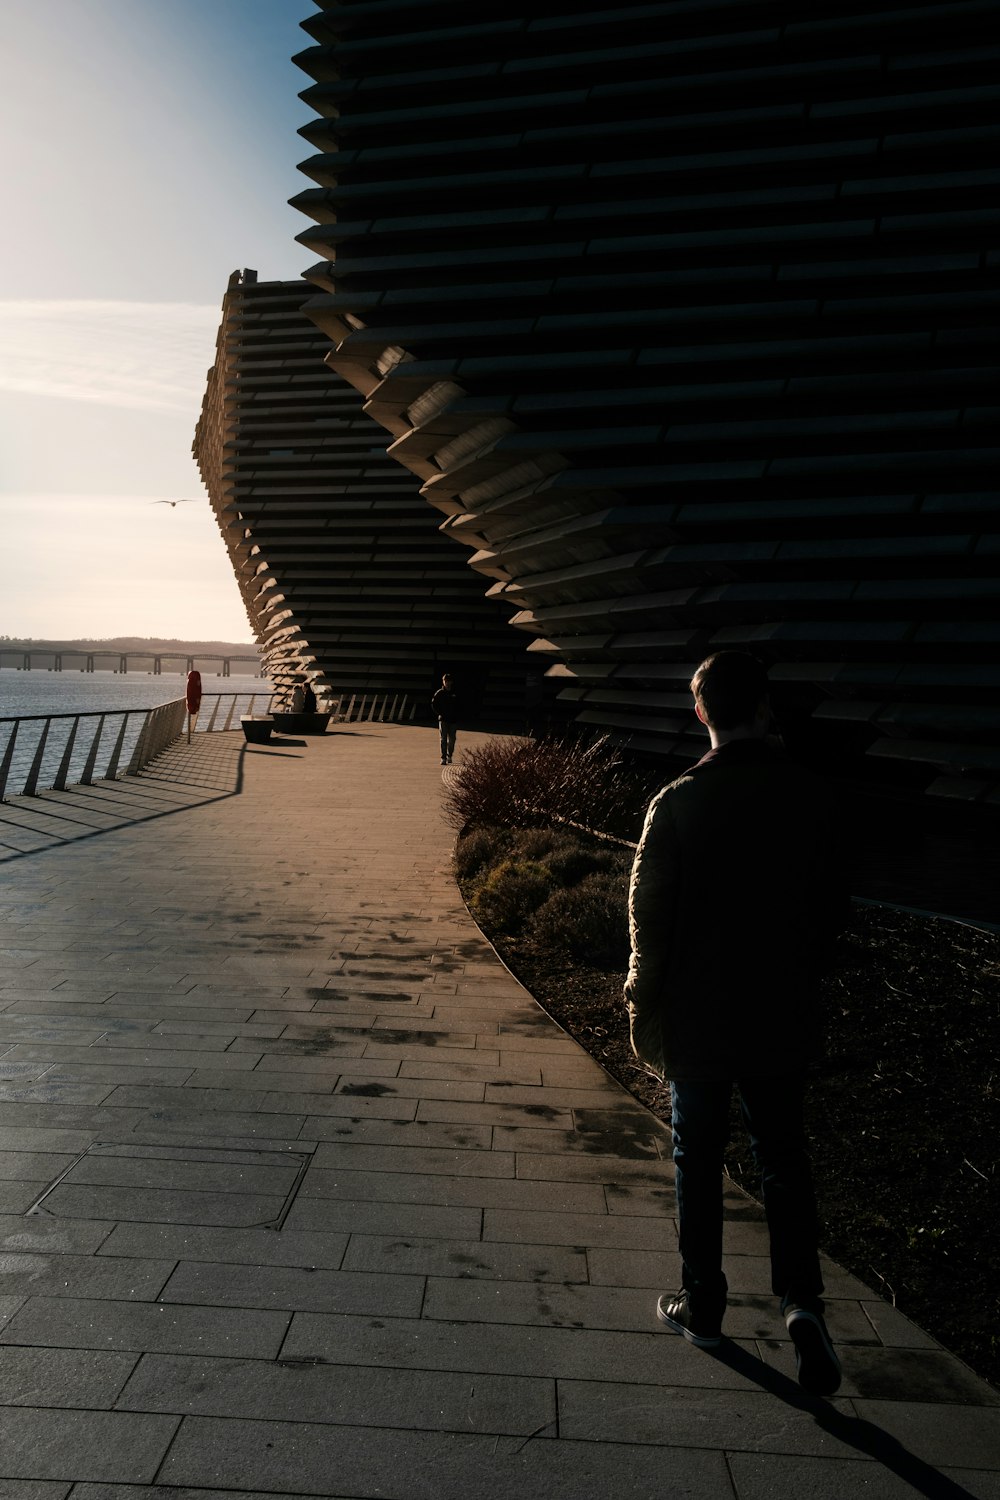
447 677
728 688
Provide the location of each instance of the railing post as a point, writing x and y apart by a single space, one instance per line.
112 767
59 785
88 771
8 756
28 790
162 725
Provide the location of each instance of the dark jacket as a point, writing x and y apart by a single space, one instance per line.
445 705
735 899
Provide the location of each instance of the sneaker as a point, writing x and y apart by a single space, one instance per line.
674 1309
815 1357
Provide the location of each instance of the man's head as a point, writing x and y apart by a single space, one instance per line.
447 680
730 695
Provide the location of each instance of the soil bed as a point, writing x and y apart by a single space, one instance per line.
904 1115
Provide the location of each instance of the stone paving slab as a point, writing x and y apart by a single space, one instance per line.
52 1275
242 1247
430 1466
329 1207
81 1378
410 1220
409 1135
340 1394
35 1164
295 1287
467 1258
87 1323
515 1070
18 1197
52 1236
415 1187
39 1443
161 1492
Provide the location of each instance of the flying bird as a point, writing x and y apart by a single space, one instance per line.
171 502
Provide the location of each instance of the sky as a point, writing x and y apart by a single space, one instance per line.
147 149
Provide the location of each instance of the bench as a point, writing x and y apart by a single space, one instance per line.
256 731
289 723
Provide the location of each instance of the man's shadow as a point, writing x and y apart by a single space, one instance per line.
868 1439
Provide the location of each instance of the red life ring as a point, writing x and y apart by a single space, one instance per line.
192 693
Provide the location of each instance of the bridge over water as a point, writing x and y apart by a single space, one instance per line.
53 660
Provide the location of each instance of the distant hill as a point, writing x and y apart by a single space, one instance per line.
132 643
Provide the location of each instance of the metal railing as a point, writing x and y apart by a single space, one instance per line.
230 706
382 708
52 751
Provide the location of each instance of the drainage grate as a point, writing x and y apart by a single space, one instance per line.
270 1179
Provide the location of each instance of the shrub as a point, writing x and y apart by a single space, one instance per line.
539 843
509 894
589 921
514 783
480 848
577 860
567 857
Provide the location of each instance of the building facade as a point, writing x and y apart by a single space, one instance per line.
682 315
346 578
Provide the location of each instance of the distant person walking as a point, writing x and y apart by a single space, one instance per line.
734 902
445 705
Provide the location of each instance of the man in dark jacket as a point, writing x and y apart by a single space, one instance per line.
445 705
734 902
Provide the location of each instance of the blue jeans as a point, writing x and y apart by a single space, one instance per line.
772 1113
447 739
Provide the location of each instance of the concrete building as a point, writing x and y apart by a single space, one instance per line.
682 315
345 576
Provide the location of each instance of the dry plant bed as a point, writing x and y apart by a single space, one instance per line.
904 1115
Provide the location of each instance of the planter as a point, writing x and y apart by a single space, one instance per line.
300 723
256 731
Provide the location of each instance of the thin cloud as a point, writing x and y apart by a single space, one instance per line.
147 356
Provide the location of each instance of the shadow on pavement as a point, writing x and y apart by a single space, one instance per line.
179 779
855 1432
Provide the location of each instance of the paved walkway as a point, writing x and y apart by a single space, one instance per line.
300 1193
